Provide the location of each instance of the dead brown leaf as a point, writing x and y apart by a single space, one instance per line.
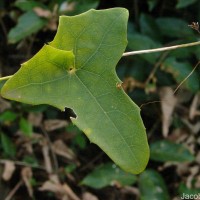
61 149
53 21
67 6
53 25
194 128
35 118
193 172
178 135
89 196
53 187
54 124
182 169
9 169
197 183
47 158
198 158
42 12
27 174
130 83
131 190
193 107
168 103
70 192
4 105
62 191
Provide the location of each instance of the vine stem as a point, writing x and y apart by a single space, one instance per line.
141 52
161 49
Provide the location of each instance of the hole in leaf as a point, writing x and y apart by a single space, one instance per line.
70 113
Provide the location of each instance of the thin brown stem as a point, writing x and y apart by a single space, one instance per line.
186 77
156 66
161 49
19 163
142 52
14 190
54 157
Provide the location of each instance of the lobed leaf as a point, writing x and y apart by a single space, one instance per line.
77 70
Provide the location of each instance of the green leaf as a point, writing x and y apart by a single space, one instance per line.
8 116
30 159
108 175
152 186
141 42
87 84
149 27
28 23
188 191
80 140
167 151
180 70
27 5
152 4
26 127
70 168
174 27
184 3
8 146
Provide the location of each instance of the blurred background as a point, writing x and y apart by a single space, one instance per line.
43 156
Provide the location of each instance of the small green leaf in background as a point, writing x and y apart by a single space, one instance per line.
180 70
139 42
184 189
167 151
7 145
27 5
183 53
149 27
26 127
152 4
70 168
152 186
79 139
30 159
178 28
184 3
28 23
197 52
7 116
107 175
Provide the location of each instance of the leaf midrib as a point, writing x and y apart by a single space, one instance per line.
105 113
